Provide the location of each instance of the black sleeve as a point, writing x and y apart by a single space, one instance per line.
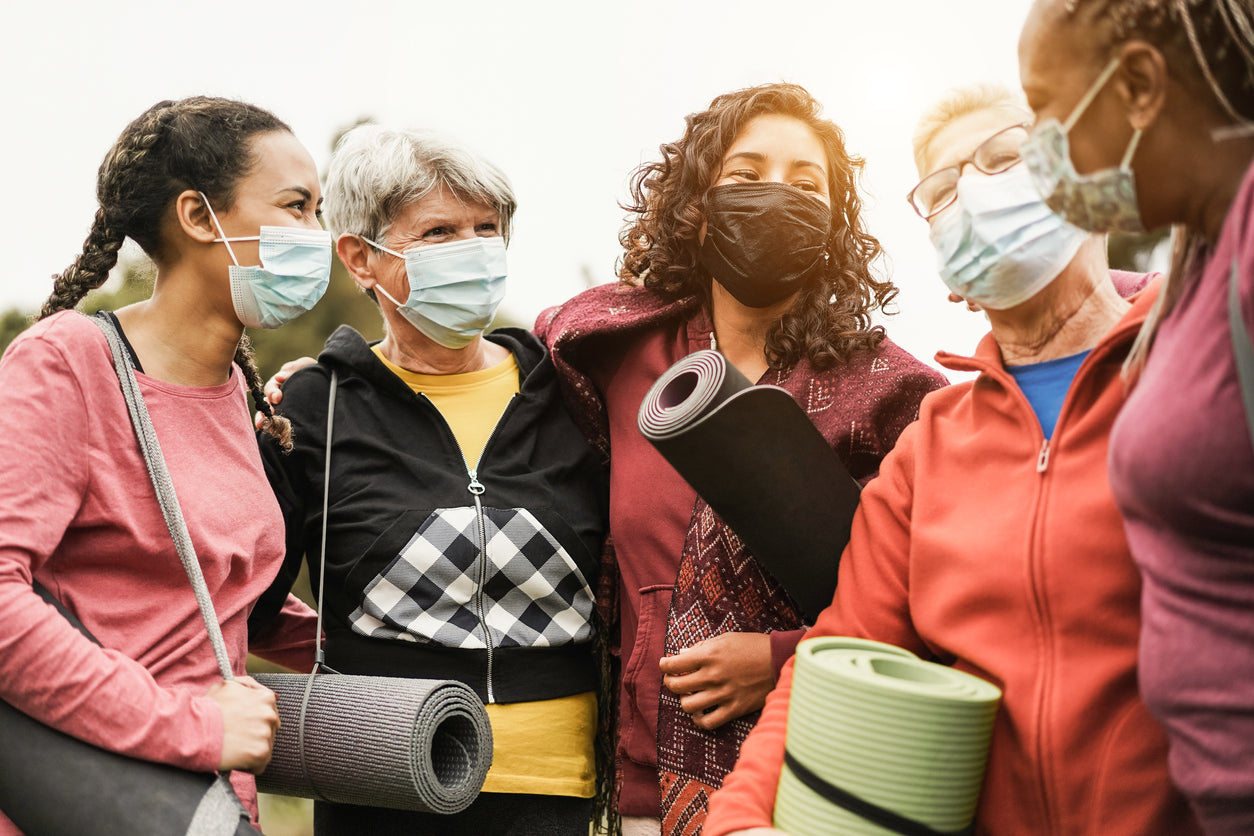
296 479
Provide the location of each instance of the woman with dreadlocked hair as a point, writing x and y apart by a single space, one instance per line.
203 185
1158 98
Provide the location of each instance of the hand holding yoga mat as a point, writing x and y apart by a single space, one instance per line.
753 455
882 742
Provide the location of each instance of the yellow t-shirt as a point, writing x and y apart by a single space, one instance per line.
543 747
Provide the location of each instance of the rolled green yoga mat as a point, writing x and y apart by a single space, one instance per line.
881 725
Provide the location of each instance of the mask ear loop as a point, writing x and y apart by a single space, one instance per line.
378 287
221 231
1084 103
1127 155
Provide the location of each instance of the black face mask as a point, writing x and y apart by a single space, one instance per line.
763 241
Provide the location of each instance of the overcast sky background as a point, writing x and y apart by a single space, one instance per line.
567 97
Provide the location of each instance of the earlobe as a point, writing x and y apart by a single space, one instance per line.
194 218
1143 80
354 254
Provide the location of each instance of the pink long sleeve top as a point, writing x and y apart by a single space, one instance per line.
79 514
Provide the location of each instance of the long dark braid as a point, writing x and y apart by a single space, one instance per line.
198 143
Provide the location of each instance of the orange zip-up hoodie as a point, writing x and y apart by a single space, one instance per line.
983 546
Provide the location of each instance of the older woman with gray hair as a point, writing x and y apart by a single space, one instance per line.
466 512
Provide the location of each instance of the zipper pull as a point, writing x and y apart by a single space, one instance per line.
1042 460
475 487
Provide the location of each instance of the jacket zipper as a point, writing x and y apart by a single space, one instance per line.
477 489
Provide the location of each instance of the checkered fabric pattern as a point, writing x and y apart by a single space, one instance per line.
533 595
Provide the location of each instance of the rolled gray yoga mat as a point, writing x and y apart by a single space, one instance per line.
761 464
408 744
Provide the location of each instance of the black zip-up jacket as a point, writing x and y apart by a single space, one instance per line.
426 557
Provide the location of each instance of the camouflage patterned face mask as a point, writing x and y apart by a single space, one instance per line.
1104 201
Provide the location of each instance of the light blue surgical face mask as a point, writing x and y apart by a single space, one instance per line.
294 272
455 288
999 244
1103 201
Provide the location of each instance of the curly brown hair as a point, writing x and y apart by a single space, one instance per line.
831 319
200 143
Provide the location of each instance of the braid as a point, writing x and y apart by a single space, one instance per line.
195 143
89 271
275 426
1210 41
119 171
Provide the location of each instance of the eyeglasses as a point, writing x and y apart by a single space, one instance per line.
994 155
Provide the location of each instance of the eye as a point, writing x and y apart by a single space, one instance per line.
298 206
805 185
743 174
437 232
486 227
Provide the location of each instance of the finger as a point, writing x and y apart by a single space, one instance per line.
258 420
711 720
688 683
699 702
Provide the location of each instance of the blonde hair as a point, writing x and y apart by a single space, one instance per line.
958 102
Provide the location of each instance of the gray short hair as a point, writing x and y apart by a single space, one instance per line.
376 172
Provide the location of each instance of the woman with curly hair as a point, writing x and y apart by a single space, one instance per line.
746 237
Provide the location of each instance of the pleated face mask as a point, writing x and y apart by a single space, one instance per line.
1102 201
764 241
455 288
999 244
294 272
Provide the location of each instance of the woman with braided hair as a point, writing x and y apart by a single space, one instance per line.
1158 102
203 185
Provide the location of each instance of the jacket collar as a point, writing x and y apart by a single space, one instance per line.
347 349
988 360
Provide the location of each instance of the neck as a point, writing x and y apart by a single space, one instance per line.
1218 179
179 336
741 331
1069 316
413 351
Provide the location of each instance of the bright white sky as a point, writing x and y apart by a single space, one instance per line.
567 96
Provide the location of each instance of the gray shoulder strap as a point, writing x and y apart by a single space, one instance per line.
1242 347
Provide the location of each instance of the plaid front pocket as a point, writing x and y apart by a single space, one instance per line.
533 593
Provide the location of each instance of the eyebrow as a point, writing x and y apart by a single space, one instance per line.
754 156
300 190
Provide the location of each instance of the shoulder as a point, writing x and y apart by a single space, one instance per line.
68 339
890 365
608 308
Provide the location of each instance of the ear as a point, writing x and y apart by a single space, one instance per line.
354 254
194 218
1142 80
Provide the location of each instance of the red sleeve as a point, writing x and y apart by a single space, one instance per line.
48 669
871 601
289 639
783 645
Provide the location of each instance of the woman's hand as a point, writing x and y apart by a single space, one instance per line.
955 298
250 718
274 386
720 679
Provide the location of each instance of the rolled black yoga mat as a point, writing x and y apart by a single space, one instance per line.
379 741
52 784
753 455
